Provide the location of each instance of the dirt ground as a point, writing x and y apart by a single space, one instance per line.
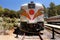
46 36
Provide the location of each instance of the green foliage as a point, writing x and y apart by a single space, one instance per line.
58 9
1 11
53 10
9 13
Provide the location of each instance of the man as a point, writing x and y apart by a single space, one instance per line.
17 30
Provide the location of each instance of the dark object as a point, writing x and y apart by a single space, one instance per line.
31 5
53 34
17 30
16 36
41 26
40 36
32 27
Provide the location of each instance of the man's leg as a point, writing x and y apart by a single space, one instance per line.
16 36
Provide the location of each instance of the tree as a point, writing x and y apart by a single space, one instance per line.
45 12
6 12
12 14
52 11
18 14
1 11
58 9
